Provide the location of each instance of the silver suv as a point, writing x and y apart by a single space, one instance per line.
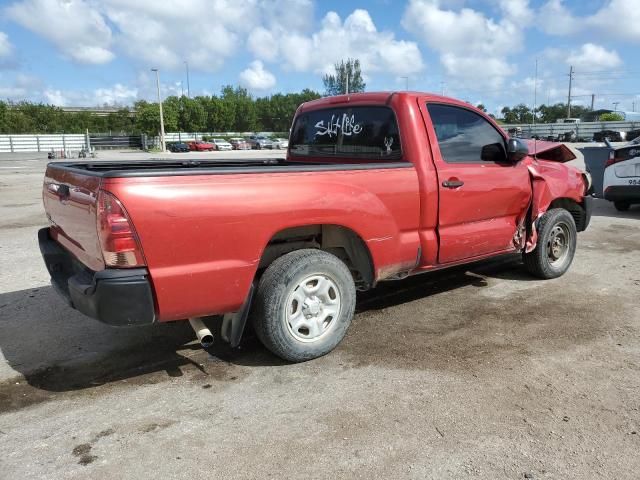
259 142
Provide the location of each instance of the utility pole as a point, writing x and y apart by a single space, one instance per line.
162 145
186 64
593 100
633 106
615 106
347 86
569 96
406 84
442 88
535 93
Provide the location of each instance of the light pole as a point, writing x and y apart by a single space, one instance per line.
186 64
615 106
162 145
406 84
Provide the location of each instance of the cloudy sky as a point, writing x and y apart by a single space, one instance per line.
90 52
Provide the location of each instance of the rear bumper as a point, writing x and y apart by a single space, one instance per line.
120 297
623 193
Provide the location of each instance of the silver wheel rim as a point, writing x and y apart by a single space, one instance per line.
558 244
313 308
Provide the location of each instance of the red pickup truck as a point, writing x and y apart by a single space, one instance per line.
375 186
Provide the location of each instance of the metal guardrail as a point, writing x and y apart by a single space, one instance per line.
584 130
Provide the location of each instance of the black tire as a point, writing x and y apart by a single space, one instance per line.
622 206
275 298
542 261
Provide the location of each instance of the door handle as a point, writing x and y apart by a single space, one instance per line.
452 183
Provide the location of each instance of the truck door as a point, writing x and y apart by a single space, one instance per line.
482 196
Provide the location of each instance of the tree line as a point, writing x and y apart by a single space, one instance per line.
522 113
234 110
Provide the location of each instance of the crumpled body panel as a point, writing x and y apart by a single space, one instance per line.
550 182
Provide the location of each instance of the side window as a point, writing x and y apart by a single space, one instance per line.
465 136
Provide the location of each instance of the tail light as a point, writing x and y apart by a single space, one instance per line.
612 159
621 155
118 238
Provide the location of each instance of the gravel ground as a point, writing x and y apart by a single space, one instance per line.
478 372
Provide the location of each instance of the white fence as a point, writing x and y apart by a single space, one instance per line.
42 143
581 129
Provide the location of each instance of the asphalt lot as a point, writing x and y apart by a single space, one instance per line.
479 372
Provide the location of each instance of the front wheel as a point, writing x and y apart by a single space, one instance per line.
555 247
622 206
304 305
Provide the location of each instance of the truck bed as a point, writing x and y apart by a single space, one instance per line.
161 167
203 224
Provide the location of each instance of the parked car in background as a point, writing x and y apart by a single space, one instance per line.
280 143
611 135
200 146
258 142
239 144
222 144
178 147
621 183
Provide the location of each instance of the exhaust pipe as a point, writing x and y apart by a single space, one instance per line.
202 332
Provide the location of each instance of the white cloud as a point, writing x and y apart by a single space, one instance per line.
555 19
27 87
517 10
616 19
593 57
263 44
160 33
256 77
356 37
207 33
118 94
21 87
75 27
619 18
468 42
6 49
55 97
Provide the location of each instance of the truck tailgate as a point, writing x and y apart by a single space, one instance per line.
70 202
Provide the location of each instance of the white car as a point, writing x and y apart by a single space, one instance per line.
280 143
621 183
222 144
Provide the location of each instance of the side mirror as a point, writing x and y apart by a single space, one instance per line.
516 150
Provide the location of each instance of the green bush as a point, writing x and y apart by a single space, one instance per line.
611 117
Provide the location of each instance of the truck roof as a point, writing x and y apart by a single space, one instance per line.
379 98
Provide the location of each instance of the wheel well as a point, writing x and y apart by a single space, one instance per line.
574 208
342 242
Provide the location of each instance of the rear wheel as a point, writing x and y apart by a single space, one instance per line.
622 206
304 304
555 247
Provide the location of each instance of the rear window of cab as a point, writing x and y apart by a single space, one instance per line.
352 132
